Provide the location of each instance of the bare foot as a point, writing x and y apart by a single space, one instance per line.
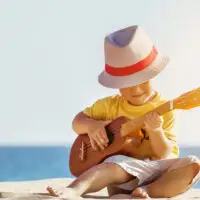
141 193
63 193
120 196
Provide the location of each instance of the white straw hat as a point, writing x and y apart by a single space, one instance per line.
130 58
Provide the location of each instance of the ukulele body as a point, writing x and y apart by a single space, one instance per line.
83 157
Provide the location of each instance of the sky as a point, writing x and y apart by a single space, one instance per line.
51 53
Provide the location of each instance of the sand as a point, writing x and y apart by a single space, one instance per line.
36 190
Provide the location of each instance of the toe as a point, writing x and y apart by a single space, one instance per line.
51 191
139 192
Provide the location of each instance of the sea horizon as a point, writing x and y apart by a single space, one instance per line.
38 162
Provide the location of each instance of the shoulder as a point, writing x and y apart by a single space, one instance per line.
103 108
104 103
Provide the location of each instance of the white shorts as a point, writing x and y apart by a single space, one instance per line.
148 171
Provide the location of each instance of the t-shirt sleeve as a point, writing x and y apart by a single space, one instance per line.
99 110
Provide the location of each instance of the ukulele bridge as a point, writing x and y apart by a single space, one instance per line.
82 151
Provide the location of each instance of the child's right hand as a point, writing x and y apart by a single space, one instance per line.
97 135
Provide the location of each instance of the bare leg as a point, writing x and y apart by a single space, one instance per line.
171 183
94 180
113 190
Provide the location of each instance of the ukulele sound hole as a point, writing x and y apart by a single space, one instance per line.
110 136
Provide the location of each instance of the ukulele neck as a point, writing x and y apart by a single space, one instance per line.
135 126
165 108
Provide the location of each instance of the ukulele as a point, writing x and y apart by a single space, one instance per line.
83 157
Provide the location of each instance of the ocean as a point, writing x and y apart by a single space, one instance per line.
36 163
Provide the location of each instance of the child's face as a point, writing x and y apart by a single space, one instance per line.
137 95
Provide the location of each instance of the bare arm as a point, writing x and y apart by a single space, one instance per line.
155 126
160 144
83 124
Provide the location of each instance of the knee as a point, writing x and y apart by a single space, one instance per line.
110 166
117 171
193 159
194 163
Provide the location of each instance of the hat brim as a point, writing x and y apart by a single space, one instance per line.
137 78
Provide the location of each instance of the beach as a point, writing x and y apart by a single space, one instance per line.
36 190
27 171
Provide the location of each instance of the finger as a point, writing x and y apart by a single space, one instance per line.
152 118
157 116
104 135
151 121
152 124
93 144
148 116
148 119
157 119
147 125
99 142
100 145
101 139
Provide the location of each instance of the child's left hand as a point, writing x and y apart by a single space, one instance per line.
153 122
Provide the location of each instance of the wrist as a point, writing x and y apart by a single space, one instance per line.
92 124
155 130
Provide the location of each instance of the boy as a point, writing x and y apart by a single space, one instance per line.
132 62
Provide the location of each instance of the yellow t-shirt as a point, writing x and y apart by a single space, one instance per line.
112 107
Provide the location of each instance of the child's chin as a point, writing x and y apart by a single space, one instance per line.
138 102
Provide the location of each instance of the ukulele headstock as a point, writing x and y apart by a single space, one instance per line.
188 100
